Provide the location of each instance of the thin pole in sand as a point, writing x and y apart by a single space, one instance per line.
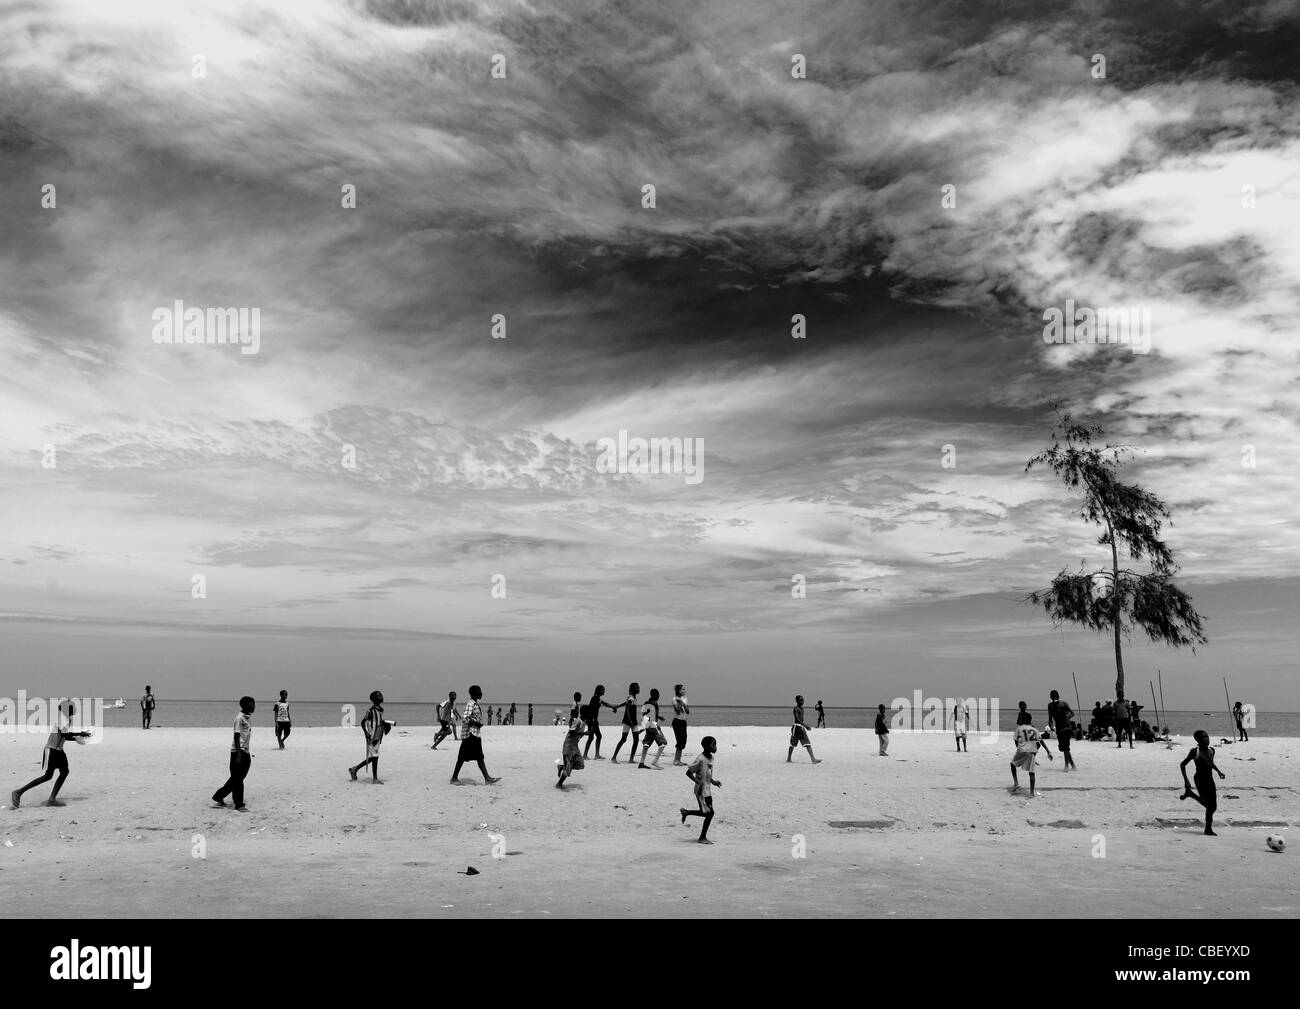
1153 702
1228 698
1160 679
1076 693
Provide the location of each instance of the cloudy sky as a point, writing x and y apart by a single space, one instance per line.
199 152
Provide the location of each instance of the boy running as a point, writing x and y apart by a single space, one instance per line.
447 716
1207 793
1061 715
1028 742
241 759
57 759
701 772
799 732
653 734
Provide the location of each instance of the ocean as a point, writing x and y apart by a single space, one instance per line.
192 714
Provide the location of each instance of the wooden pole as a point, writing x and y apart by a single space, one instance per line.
1228 700
1153 703
1076 693
1160 679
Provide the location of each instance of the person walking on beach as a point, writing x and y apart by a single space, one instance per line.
570 759
1061 715
1239 714
701 773
960 723
1207 792
147 704
1123 723
280 709
629 723
375 728
593 720
1028 742
799 732
821 715
54 760
471 745
447 717
653 733
241 757
882 729
681 711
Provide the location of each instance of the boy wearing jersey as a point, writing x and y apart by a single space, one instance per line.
282 721
447 714
681 710
375 728
471 744
799 732
240 757
1028 743
629 722
701 772
960 723
653 734
57 759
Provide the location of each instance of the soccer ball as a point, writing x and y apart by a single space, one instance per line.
1275 842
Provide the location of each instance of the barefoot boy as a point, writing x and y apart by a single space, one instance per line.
375 728
1207 793
1028 742
241 759
701 772
570 757
653 734
799 732
57 759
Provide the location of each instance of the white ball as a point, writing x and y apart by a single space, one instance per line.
1276 842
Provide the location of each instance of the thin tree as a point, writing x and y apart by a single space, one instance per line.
1113 600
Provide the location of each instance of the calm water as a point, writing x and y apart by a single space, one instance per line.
330 713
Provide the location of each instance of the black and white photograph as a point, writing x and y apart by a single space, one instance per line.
674 461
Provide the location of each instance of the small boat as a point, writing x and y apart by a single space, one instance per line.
119 703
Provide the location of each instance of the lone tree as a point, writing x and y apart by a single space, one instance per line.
1113 599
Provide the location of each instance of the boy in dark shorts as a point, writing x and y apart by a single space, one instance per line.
629 722
799 733
1061 715
1207 793
283 724
447 716
701 772
681 711
653 734
57 759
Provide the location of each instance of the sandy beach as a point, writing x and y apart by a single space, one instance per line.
924 832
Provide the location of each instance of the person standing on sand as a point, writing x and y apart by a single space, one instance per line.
1028 743
821 715
54 759
593 719
629 723
1060 714
1207 792
681 711
447 717
280 709
1123 723
375 728
147 704
510 717
653 734
471 745
241 757
799 732
530 714
1239 714
701 773
882 729
960 723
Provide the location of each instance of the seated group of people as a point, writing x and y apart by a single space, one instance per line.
1116 718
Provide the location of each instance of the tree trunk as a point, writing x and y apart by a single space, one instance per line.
1115 616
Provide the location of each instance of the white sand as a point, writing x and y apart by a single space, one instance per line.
953 841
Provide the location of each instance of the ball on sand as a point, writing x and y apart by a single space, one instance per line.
1275 842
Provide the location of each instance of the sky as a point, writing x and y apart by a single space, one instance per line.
352 493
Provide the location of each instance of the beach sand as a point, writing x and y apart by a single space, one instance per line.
932 833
